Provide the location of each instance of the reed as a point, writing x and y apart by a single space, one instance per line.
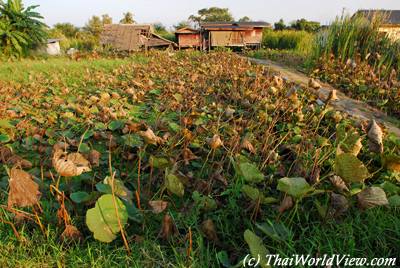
357 38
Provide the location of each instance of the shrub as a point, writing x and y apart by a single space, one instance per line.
358 37
300 41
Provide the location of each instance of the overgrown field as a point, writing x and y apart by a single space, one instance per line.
185 160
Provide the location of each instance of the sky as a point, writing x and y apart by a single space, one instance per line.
169 12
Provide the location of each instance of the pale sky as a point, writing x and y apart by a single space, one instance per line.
169 12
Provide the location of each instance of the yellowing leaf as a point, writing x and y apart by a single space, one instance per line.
215 142
392 162
119 189
102 220
350 168
174 185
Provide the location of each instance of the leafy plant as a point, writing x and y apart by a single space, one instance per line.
20 28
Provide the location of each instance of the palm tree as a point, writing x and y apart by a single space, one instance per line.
20 28
127 19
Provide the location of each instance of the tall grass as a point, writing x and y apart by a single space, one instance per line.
358 38
299 41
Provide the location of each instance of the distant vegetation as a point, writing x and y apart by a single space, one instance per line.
353 55
299 41
20 29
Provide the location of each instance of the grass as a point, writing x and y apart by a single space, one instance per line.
291 58
372 234
174 94
358 38
22 71
299 41
353 55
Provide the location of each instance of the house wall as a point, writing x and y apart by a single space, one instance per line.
227 38
189 40
392 31
253 36
53 49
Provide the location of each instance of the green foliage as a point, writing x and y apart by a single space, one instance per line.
296 187
94 26
244 19
358 37
300 41
182 24
103 220
106 19
67 29
127 18
20 28
211 14
280 25
305 25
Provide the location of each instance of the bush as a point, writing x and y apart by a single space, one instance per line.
20 28
300 41
353 38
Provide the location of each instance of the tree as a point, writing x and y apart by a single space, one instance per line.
244 19
20 28
280 25
305 25
159 28
182 24
106 19
67 29
212 14
127 19
94 26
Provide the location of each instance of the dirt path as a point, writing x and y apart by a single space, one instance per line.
356 109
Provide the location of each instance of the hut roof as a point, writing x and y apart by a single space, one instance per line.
233 25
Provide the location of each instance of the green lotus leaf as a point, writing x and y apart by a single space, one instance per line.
296 187
102 220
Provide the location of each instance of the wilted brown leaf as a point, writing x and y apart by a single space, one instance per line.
24 192
168 228
188 156
215 142
208 229
372 197
71 234
246 144
70 165
339 205
150 137
94 158
338 183
312 83
7 157
158 206
375 138
287 203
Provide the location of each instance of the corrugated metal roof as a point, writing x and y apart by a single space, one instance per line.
391 16
187 30
251 24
